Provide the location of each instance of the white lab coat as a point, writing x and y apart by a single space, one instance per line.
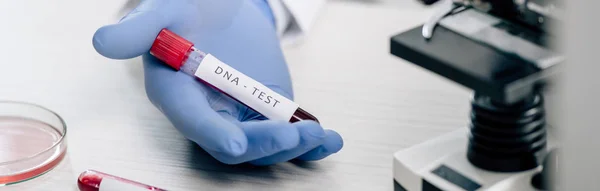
294 18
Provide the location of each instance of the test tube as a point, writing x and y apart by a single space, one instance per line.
181 55
91 180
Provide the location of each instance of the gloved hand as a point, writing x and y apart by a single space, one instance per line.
238 33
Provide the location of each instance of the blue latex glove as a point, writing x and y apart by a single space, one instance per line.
263 5
238 33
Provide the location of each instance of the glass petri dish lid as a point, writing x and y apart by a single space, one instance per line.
32 141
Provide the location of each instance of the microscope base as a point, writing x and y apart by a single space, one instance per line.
441 164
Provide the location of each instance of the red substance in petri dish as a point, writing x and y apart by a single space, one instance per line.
32 173
28 148
90 181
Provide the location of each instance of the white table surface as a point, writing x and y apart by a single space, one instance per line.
343 73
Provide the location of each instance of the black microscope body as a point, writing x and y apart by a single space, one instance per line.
502 50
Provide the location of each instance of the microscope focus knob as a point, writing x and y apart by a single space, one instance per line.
546 179
507 138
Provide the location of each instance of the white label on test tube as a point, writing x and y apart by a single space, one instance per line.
109 184
245 89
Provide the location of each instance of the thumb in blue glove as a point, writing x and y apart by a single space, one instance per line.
236 32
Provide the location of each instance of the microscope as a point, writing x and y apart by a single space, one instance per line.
502 50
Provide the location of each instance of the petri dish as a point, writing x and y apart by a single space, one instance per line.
32 141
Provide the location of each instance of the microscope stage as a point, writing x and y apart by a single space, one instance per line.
458 51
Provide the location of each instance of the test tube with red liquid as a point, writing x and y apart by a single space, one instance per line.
181 55
92 180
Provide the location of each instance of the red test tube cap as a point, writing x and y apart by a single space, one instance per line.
171 48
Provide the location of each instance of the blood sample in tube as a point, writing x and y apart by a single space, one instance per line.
181 55
92 180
